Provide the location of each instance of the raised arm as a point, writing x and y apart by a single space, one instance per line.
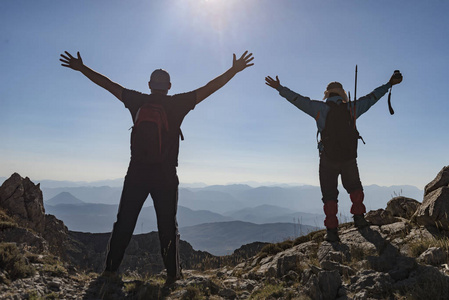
364 103
237 65
310 107
77 64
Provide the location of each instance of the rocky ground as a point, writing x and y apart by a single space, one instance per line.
402 255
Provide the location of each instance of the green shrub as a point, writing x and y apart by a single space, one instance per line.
417 247
269 290
6 221
7 224
13 262
270 249
286 244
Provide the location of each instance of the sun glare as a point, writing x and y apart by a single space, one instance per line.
215 14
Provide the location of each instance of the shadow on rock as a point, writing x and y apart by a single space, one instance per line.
404 273
105 288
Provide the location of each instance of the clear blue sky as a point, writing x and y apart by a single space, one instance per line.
56 124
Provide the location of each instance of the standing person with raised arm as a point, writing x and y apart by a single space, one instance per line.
335 118
157 118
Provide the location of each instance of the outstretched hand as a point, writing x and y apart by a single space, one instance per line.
275 84
71 62
243 62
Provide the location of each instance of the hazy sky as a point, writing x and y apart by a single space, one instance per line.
56 124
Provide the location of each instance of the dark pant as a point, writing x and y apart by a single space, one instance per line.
329 172
162 184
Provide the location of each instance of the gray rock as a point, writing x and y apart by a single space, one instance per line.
371 282
332 266
434 211
291 276
402 268
23 200
286 264
441 180
433 256
227 293
402 207
380 217
425 282
329 283
312 288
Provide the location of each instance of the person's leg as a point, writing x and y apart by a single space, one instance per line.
166 204
329 172
132 199
351 182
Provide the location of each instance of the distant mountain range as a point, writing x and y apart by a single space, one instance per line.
224 237
208 216
205 230
223 199
97 217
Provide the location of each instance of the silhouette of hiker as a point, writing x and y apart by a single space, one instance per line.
335 118
157 118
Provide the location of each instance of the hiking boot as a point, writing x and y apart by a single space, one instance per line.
332 235
360 222
111 277
172 279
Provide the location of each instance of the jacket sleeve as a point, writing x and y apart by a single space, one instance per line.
364 103
310 107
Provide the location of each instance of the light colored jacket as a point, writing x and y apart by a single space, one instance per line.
319 109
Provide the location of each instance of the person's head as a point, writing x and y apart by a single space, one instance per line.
335 89
159 82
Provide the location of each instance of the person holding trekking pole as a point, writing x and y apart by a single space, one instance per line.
157 118
336 121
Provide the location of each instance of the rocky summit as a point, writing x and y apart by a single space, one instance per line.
403 254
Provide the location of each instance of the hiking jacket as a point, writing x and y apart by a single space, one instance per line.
319 109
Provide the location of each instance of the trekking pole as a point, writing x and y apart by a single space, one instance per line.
355 94
355 87
355 103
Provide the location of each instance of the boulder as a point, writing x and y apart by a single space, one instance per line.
402 207
371 283
433 256
441 180
434 211
380 217
329 283
23 200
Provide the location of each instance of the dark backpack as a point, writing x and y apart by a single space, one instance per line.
150 138
340 135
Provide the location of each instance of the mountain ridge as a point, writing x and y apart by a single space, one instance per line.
403 254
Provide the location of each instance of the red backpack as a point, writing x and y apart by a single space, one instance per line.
150 134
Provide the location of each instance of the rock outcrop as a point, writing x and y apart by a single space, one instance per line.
402 255
22 199
435 207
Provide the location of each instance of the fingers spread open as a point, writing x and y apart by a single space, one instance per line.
70 55
243 55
